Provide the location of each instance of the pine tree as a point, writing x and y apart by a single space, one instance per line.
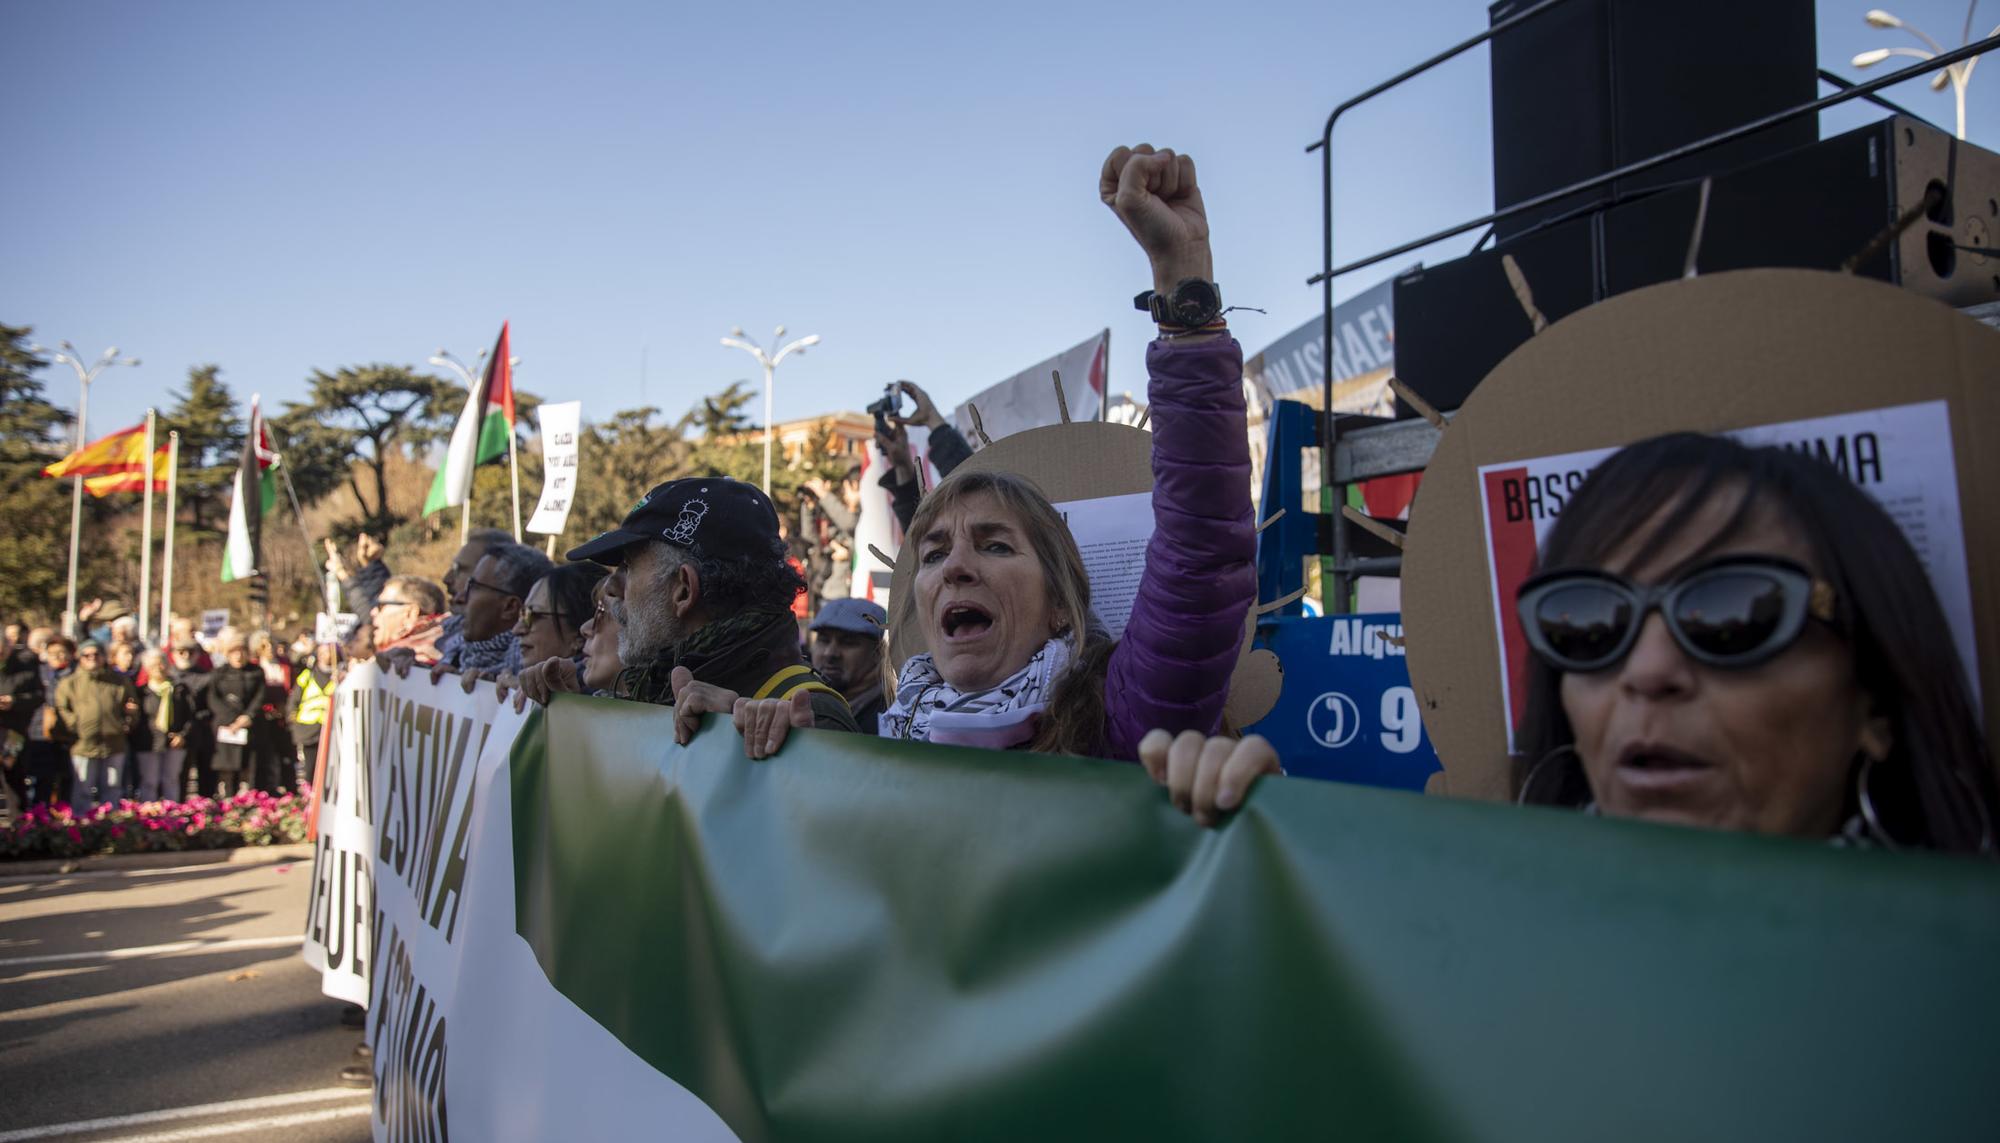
34 530
211 427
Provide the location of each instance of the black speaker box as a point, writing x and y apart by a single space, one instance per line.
1592 85
1814 208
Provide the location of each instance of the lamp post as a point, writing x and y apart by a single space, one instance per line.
471 375
85 374
1958 75
769 360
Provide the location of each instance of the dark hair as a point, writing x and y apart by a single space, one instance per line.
572 589
428 596
516 566
1936 788
730 584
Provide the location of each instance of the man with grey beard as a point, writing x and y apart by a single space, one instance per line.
703 597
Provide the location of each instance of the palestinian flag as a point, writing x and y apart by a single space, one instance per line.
133 480
482 432
122 452
244 550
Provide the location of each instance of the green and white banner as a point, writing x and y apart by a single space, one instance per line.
583 931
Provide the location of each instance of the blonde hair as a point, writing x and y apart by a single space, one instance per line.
1074 721
230 637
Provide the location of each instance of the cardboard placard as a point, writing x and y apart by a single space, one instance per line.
1742 353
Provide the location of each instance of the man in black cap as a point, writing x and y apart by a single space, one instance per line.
847 652
703 597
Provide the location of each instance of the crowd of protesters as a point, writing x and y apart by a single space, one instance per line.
1724 636
108 717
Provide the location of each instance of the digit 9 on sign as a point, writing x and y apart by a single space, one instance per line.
1402 723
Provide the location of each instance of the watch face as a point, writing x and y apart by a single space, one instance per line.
1196 302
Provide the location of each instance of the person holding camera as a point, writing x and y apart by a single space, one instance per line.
948 448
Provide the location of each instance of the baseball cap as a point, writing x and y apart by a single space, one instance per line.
726 517
856 615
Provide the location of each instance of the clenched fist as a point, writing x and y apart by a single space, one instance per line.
1155 195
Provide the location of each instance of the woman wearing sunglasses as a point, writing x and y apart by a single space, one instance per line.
1741 638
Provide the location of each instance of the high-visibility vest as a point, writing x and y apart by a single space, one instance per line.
313 700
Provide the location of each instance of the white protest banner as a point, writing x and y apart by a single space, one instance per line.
340 914
561 425
1111 532
413 915
1027 400
1902 456
1364 355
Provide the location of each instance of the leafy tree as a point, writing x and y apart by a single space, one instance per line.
34 530
211 428
363 412
626 456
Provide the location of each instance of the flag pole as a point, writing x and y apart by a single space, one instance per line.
167 561
146 533
465 516
514 472
291 491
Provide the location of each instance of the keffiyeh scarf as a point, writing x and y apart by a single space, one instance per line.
500 653
928 709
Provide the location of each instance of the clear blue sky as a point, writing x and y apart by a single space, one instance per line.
279 187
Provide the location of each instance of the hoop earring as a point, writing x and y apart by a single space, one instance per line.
1864 799
1528 783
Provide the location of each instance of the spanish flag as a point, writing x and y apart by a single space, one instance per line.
130 481
123 452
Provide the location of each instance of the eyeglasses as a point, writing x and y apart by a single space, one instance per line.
1733 612
381 603
531 615
471 583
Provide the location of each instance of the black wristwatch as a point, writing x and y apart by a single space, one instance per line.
1194 304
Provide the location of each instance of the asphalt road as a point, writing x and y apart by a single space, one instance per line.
221 1034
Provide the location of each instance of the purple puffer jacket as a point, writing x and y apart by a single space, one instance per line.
1171 669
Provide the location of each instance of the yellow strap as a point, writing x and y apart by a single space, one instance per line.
773 684
775 681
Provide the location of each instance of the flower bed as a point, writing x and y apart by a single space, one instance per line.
249 818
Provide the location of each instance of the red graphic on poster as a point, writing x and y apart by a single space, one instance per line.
1511 541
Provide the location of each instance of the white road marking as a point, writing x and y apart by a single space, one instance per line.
216 1130
230 1107
198 945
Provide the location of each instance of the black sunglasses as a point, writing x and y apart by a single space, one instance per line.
1734 612
495 589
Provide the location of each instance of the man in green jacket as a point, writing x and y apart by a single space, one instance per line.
97 706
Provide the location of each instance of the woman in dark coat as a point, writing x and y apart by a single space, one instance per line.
236 700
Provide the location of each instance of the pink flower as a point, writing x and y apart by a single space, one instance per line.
76 835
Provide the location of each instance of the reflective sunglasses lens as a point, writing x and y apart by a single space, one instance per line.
1583 623
1731 614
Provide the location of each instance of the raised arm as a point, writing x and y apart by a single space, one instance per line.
1171 669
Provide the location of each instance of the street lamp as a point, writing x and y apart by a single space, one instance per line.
769 360
470 374
1958 74
85 374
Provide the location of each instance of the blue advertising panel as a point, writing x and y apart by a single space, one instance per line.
1347 711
